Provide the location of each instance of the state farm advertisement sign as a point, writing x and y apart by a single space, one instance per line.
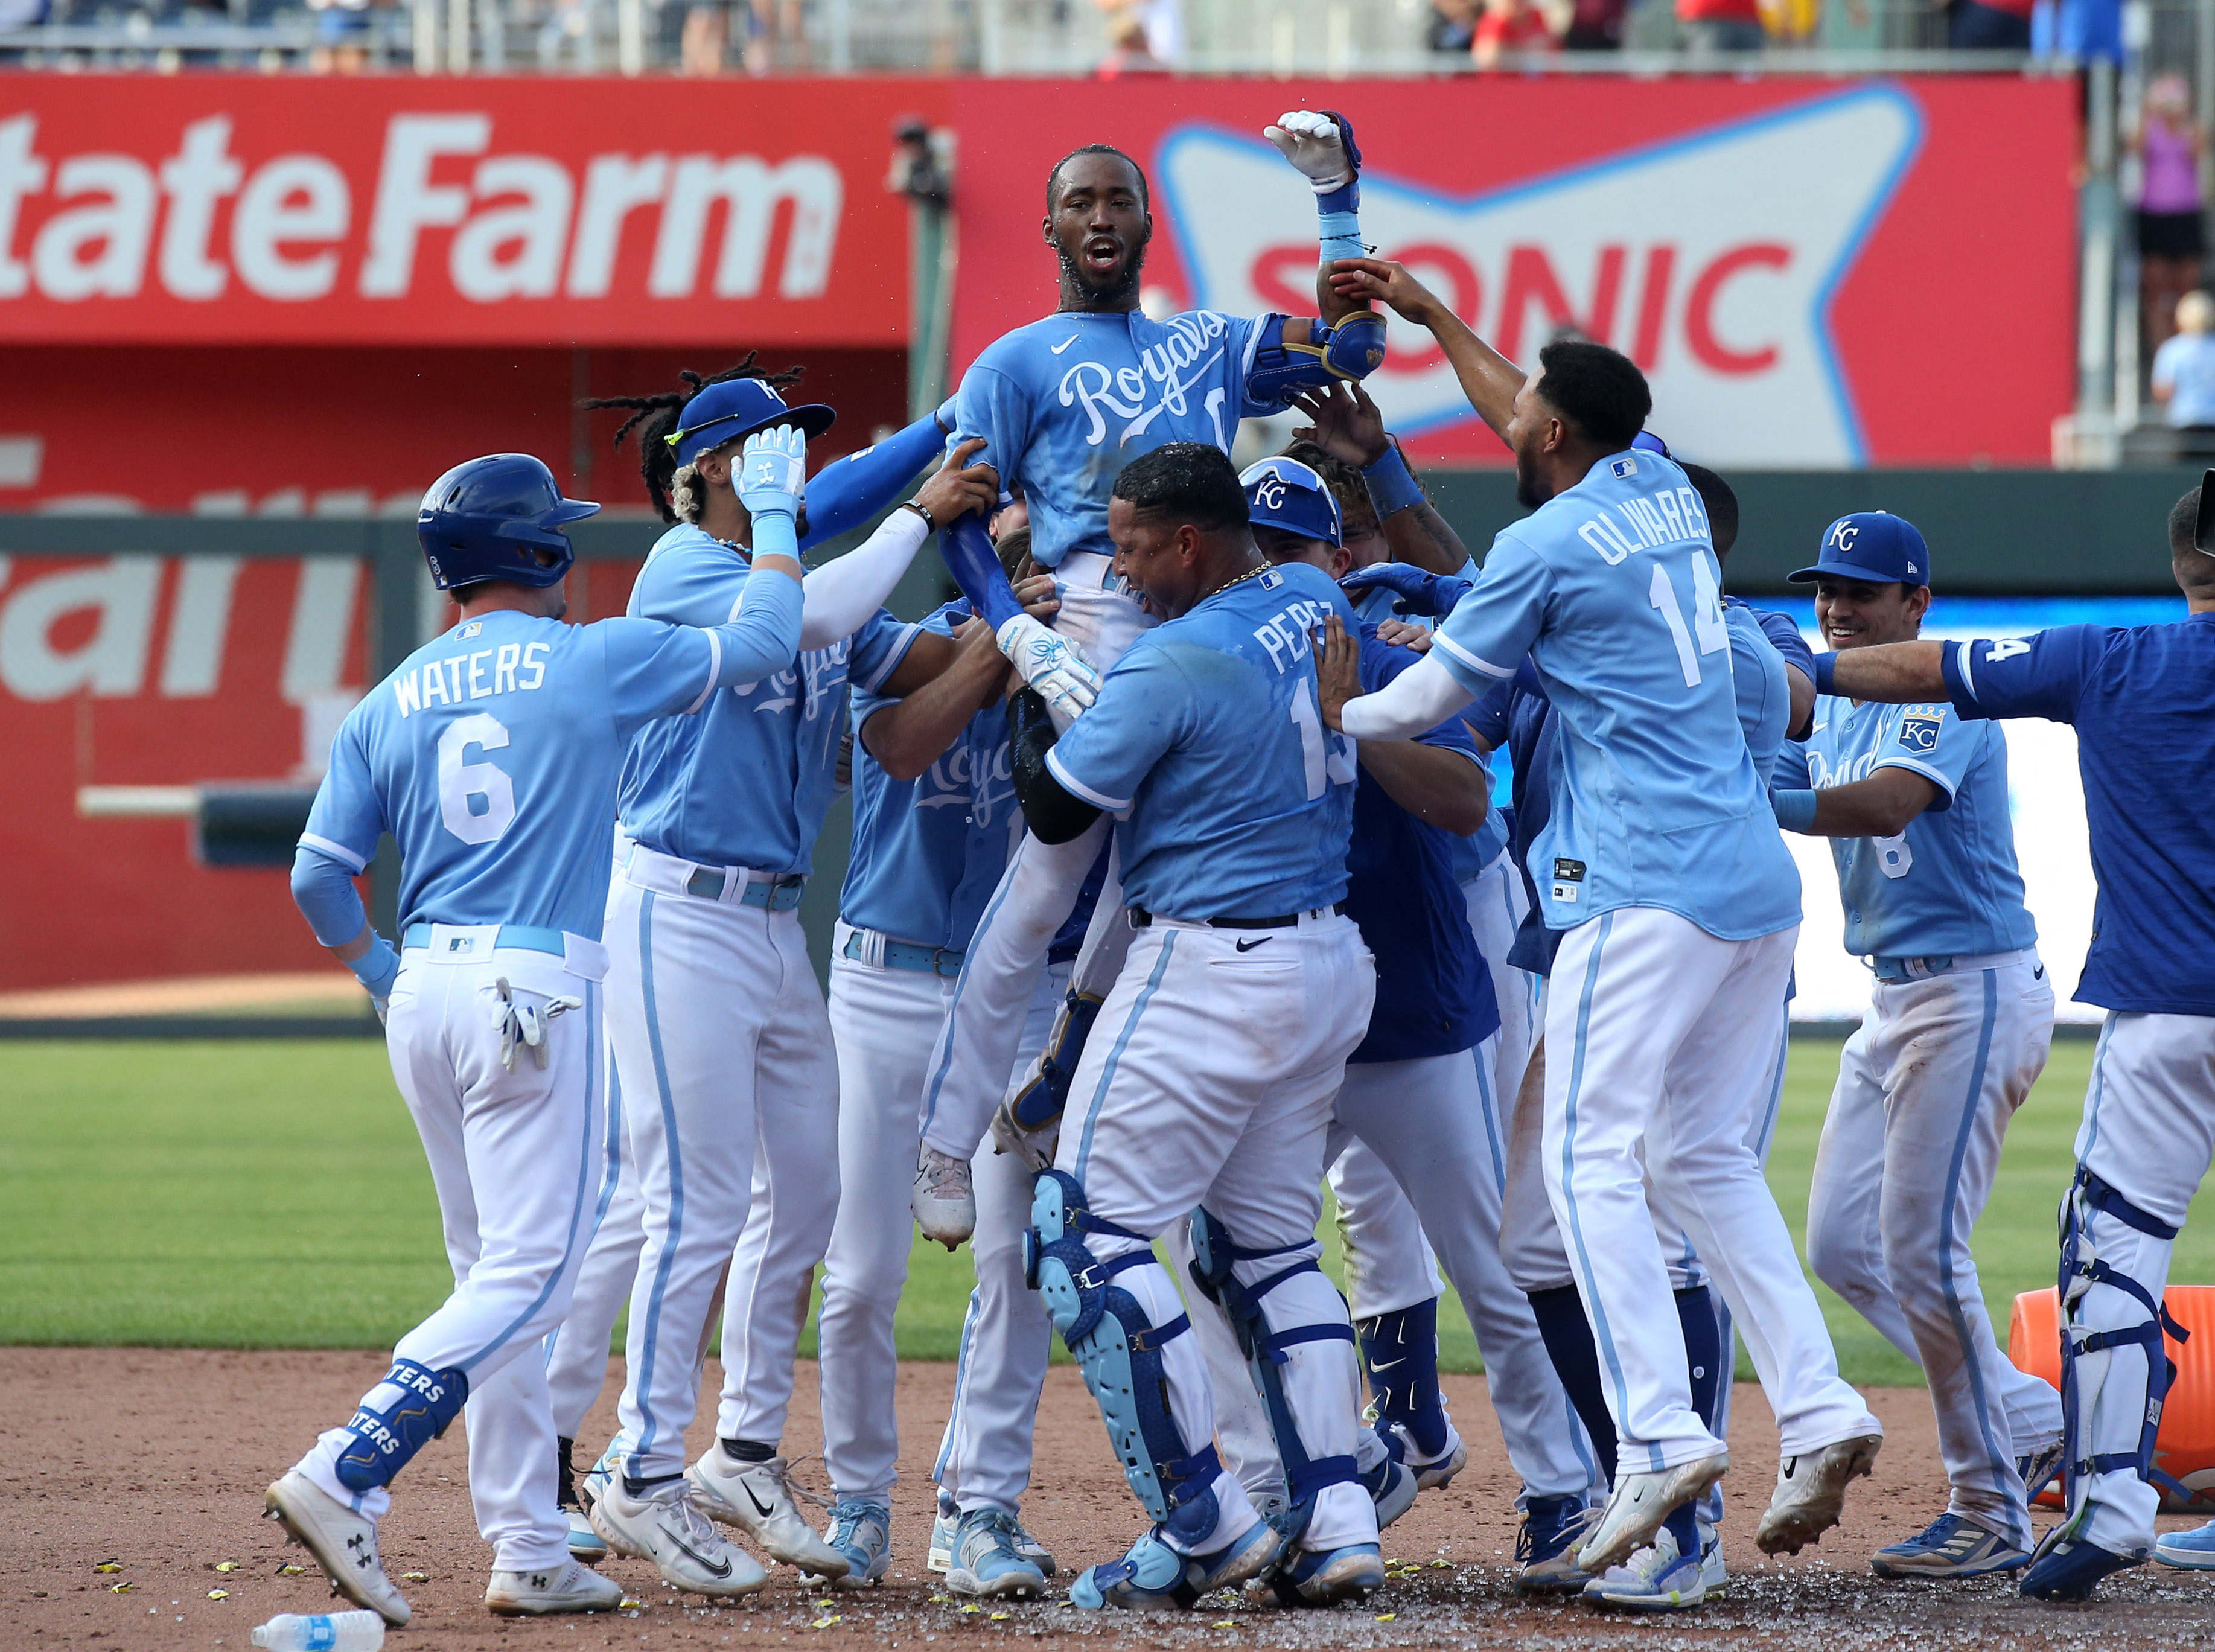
478 211
1811 274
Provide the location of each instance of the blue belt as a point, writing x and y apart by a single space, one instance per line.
1893 970
528 936
779 895
906 955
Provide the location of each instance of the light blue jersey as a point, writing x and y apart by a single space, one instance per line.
1232 800
1611 589
1949 884
928 852
748 781
491 756
1064 403
1764 697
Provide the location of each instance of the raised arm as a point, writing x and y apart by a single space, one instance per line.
848 491
1348 426
1489 379
842 593
1897 673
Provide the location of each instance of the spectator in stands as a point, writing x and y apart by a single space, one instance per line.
343 37
1595 26
699 50
2168 143
1452 27
776 37
1163 20
1989 25
2184 376
1508 28
1129 51
1721 25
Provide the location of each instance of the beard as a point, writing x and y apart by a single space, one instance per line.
1530 489
1123 286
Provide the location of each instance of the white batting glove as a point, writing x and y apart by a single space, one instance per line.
772 474
1312 143
1052 665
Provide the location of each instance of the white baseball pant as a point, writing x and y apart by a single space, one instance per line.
985 1453
985 1021
721 1038
1926 1087
1661 1036
512 1157
1496 901
577 1352
2149 1132
1208 1080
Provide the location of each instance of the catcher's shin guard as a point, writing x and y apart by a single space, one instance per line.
1118 1348
2089 1201
1044 1092
396 1419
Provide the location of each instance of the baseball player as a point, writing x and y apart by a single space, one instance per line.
1244 989
492 755
1915 803
1062 405
1680 904
2142 700
706 960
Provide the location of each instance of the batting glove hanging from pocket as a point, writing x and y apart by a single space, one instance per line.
522 1025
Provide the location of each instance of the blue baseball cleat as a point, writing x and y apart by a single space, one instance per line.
1391 1486
2070 1569
1323 1577
861 1531
1154 1577
1949 1547
984 1559
1546 1545
2191 1552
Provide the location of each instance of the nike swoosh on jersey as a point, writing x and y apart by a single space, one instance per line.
1065 344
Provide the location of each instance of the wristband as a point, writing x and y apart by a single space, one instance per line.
1795 810
1827 663
1392 486
929 522
377 969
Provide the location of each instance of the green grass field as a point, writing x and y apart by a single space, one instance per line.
273 1194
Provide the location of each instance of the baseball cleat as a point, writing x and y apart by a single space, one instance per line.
585 1544
1656 1578
1323 1577
1391 1487
568 1587
1811 1494
2040 1465
941 1555
944 1202
1949 1546
2191 1552
1640 1502
1437 1471
343 1543
756 1498
985 1562
668 1529
1546 1544
1154 1577
2063 1568
861 1533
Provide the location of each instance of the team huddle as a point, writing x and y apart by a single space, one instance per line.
1181 885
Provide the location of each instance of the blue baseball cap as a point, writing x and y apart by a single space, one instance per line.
738 407
1872 545
1286 494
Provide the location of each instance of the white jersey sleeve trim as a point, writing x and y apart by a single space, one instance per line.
1076 788
1936 777
337 852
1961 661
714 669
1439 639
894 658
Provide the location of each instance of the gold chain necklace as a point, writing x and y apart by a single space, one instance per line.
1259 568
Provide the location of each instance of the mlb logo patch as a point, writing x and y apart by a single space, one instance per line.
1624 467
1920 733
1270 580
475 627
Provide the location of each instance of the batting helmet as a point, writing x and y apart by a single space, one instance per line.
1285 494
498 518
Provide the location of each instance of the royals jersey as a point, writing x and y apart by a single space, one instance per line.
748 781
928 852
1947 885
491 756
1610 588
2142 701
1207 743
1760 690
1064 403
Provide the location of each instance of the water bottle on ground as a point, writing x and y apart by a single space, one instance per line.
335 1632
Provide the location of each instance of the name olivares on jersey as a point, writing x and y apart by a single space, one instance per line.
515 668
1666 516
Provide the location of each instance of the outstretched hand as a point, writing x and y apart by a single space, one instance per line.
1382 281
958 487
1348 424
1338 671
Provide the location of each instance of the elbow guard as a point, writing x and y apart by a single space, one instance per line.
1352 350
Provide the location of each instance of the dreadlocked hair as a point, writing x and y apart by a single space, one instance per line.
674 490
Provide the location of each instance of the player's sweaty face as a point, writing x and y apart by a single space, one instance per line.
1527 428
1099 224
1146 556
1860 614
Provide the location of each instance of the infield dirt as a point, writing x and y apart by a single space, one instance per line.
154 1459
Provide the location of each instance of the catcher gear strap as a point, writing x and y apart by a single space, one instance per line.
417 1404
1118 1350
1281 370
1045 1094
1213 1256
2082 1268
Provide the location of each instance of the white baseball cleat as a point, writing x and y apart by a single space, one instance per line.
343 1543
567 1588
944 1203
1640 1503
756 1498
668 1529
1811 1494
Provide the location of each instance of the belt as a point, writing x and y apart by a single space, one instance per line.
876 947
1893 970
528 936
652 869
778 894
1141 918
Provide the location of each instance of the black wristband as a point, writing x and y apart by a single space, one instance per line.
929 522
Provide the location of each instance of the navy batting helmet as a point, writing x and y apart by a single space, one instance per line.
1282 493
498 518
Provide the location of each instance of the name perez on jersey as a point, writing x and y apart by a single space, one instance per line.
1287 635
515 668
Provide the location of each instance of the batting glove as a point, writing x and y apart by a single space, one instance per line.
1053 666
772 475
1419 592
1320 144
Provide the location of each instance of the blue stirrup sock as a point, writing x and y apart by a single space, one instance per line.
1569 1339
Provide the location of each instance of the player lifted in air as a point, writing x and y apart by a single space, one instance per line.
1063 405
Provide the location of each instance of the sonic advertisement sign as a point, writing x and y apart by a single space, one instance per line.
1811 275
